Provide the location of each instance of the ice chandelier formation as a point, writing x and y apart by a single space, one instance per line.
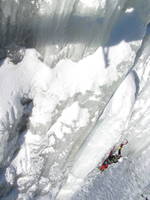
61 26
64 108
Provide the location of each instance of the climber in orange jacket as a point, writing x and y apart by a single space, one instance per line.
112 158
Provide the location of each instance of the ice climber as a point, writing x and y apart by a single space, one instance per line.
112 158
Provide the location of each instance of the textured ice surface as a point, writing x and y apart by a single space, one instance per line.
59 118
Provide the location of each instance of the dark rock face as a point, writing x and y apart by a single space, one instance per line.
16 24
16 28
3 53
15 53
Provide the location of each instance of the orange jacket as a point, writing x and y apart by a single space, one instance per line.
103 167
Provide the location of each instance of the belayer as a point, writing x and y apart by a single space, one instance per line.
112 158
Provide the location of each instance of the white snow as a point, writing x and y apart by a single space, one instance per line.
90 3
129 10
48 87
102 139
69 96
71 118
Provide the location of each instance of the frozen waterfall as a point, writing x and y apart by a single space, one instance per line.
74 83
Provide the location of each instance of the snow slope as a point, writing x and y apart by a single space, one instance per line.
132 175
100 142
